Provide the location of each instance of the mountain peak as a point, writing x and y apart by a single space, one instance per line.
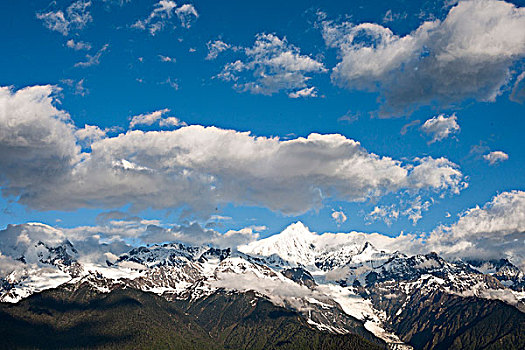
294 244
297 229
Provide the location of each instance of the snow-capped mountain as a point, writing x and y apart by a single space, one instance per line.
334 280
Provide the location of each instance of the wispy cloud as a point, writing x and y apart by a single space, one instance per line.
78 45
215 48
272 65
92 60
167 59
162 15
75 17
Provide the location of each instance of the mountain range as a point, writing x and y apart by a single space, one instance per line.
295 289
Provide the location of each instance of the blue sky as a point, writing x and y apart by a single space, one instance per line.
368 68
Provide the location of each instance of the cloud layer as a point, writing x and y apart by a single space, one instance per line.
494 231
193 167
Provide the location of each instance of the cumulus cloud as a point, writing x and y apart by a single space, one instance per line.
37 142
193 167
162 15
272 65
490 232
92 60
75 17
89 134
22 240
468 55
23 245
495 157
441 127
494 231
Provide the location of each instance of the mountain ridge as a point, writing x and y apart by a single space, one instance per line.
333 281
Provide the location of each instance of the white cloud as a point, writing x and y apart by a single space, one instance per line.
147 119
92 60
170 122
24 240
162 14
215 48
89 134
151 231
468 55
37 142
415 209
493 231
436 173
272 65
154 117
167 59
193 167
441 127
78 45
187 14
306 92
495 157
339 216
76 17
387 214
77 87
8 265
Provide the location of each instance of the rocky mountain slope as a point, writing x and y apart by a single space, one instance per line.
79 317
339 284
